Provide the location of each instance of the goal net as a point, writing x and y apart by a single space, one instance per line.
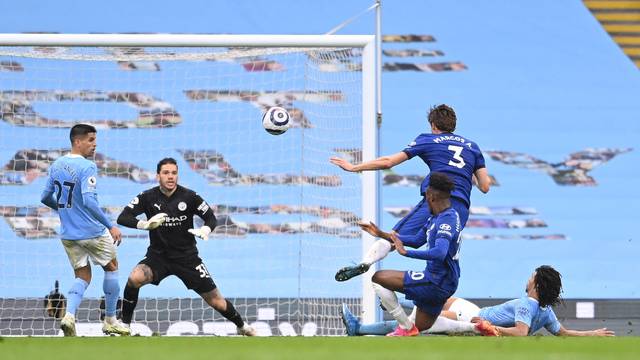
287 217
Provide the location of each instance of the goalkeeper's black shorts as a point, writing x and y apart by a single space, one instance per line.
191 271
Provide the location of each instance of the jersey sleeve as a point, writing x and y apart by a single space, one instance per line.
480 163
88 179
203 210
128 215
446 227
552 325
523 312
414 148
47 194
48 187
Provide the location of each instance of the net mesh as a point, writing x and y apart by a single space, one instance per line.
287 216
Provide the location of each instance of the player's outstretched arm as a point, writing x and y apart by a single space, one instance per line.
483 180
374 230
381 163
596 332
521 329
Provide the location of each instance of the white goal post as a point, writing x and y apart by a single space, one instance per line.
319 203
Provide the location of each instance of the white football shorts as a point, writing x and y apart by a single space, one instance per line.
100 249
464 309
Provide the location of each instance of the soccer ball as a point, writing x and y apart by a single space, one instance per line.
276 120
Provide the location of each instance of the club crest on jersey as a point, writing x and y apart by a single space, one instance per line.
182 206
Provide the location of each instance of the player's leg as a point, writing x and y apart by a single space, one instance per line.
429 300
425 320
102 251
461 208
148 271
215 299
410 224
195 276
385 283
465 310
447 311
79 260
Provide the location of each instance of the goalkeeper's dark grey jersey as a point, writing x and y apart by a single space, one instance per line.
171 239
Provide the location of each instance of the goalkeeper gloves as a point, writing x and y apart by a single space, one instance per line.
202 233
155 221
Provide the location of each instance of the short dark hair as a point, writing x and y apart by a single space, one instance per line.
167 160
443 117
80 130
442 183
548 283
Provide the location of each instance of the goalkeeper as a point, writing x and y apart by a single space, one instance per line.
170 208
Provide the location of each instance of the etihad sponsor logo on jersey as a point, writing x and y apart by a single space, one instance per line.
174 221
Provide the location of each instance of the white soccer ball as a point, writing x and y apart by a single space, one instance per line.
276 120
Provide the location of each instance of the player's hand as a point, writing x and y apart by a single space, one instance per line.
398 244
203 232
116 235
344 164
372 229
603 332
155 221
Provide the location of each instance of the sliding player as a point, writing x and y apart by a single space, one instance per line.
172 251
517 317
442 151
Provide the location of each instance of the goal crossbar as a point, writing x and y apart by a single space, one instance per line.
185 40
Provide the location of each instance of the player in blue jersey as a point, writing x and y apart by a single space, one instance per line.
442 151
85 230
429 289
517 317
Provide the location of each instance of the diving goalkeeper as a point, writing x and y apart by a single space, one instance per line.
170 208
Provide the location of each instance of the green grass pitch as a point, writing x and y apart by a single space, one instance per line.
320 348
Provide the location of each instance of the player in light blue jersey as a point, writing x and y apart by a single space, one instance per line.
429 289
517 317
71 191
442 151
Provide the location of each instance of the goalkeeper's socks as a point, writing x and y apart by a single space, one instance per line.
75 295
232 315
129 303
111 289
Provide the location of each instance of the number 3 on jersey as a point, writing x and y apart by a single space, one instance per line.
457 156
